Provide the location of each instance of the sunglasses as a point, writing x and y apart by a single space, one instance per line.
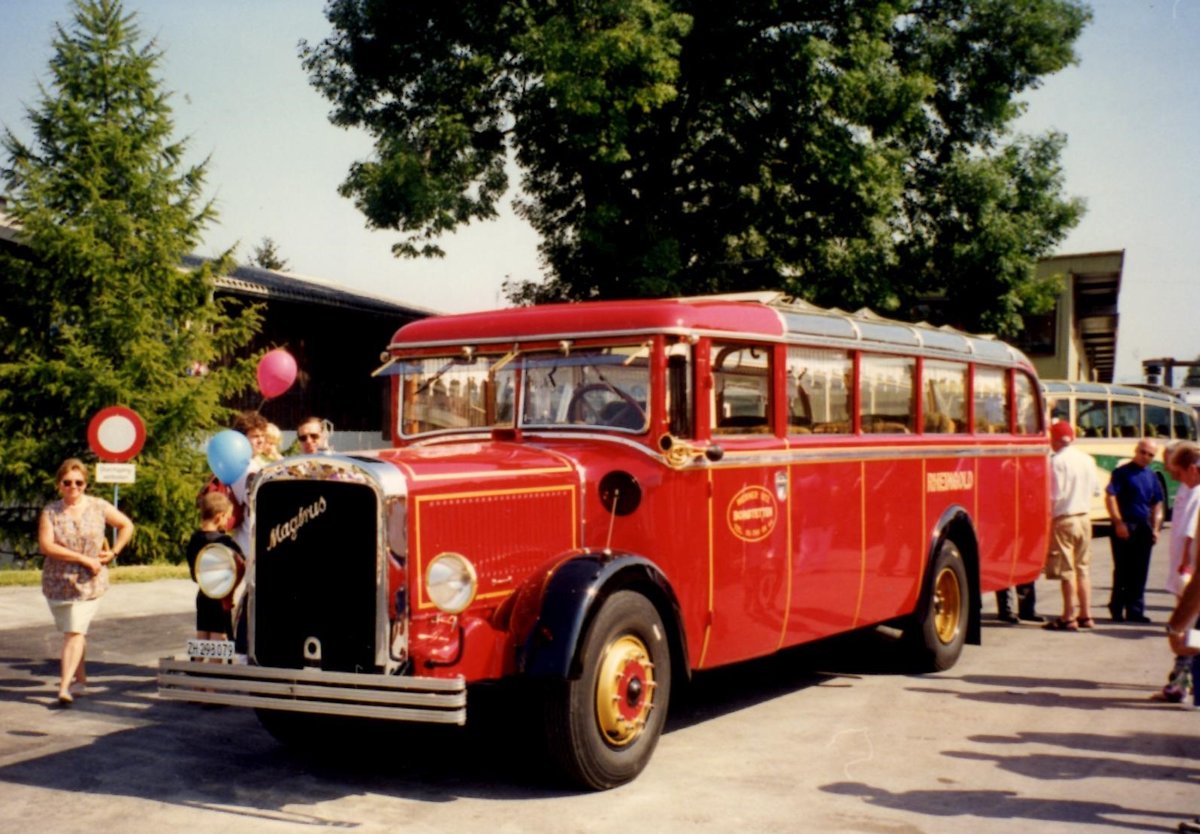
69 482
314 436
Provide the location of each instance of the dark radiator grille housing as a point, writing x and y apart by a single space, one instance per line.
315 550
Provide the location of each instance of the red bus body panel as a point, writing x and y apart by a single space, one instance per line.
787 539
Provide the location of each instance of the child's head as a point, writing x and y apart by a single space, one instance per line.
274 439
214 506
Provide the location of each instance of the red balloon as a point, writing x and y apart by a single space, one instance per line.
276 372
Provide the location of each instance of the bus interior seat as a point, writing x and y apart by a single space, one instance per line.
744 421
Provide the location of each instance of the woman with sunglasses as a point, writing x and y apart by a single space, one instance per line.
75 573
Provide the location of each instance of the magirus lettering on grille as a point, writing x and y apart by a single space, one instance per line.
290 529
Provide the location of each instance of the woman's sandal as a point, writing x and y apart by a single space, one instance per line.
1059 624
1087 622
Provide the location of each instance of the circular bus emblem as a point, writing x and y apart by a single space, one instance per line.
752 513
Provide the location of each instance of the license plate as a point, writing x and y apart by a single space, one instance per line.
222 649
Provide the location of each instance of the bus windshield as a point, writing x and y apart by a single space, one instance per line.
597 386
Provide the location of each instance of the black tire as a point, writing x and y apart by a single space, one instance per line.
601 728
939 627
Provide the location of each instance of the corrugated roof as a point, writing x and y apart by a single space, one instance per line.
270 285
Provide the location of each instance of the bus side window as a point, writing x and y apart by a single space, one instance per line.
945 386
885 390
991 400
1127 419
818 385
1093 418
1028 414
1185 425
1158 421
1060 409
742 386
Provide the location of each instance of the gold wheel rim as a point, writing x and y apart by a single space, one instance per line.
947 605
624 690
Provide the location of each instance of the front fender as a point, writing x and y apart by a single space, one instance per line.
570 597
955 523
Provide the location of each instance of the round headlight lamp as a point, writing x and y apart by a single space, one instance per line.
218 569
451 582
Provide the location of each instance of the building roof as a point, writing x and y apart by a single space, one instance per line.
1096 286
271 285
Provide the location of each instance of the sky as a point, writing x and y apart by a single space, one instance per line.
1130 110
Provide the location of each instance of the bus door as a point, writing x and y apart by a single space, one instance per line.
893 471
826 494
748 507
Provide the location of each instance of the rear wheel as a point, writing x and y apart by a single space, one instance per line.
940 626
602 727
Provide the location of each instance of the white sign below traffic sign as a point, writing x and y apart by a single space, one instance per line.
116 473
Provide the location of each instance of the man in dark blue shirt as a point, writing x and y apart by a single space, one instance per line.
1135 505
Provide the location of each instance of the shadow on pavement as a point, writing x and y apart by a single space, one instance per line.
1006 805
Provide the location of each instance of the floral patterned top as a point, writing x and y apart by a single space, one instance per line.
82 532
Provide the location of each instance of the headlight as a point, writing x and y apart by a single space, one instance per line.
218 569
451 582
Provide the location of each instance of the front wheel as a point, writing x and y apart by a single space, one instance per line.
602 727
939 627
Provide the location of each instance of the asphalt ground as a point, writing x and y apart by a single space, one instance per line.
1034 731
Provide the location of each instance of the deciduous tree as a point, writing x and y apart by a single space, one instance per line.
850 153
95 308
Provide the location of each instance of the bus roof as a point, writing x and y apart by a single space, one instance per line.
749 315
1136 392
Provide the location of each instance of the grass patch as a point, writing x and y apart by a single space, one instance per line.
121 573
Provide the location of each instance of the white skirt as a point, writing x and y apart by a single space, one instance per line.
73 616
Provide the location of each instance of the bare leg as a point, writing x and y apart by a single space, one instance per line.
1085 596
1068 592
74 645
81 670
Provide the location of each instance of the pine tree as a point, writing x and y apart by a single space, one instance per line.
95 307
266 255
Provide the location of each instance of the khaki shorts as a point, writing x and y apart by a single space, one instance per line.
73 616
1070 547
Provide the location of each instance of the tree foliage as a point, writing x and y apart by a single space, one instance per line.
266 255
95 308
849 152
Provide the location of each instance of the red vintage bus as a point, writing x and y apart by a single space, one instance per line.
601 498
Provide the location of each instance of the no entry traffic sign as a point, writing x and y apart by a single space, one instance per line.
116 434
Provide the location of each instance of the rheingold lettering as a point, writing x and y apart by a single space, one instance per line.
949 481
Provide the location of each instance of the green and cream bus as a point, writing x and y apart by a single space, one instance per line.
1109 420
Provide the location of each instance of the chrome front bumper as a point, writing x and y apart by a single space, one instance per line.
390 697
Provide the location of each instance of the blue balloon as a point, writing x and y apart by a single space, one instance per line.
229 455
